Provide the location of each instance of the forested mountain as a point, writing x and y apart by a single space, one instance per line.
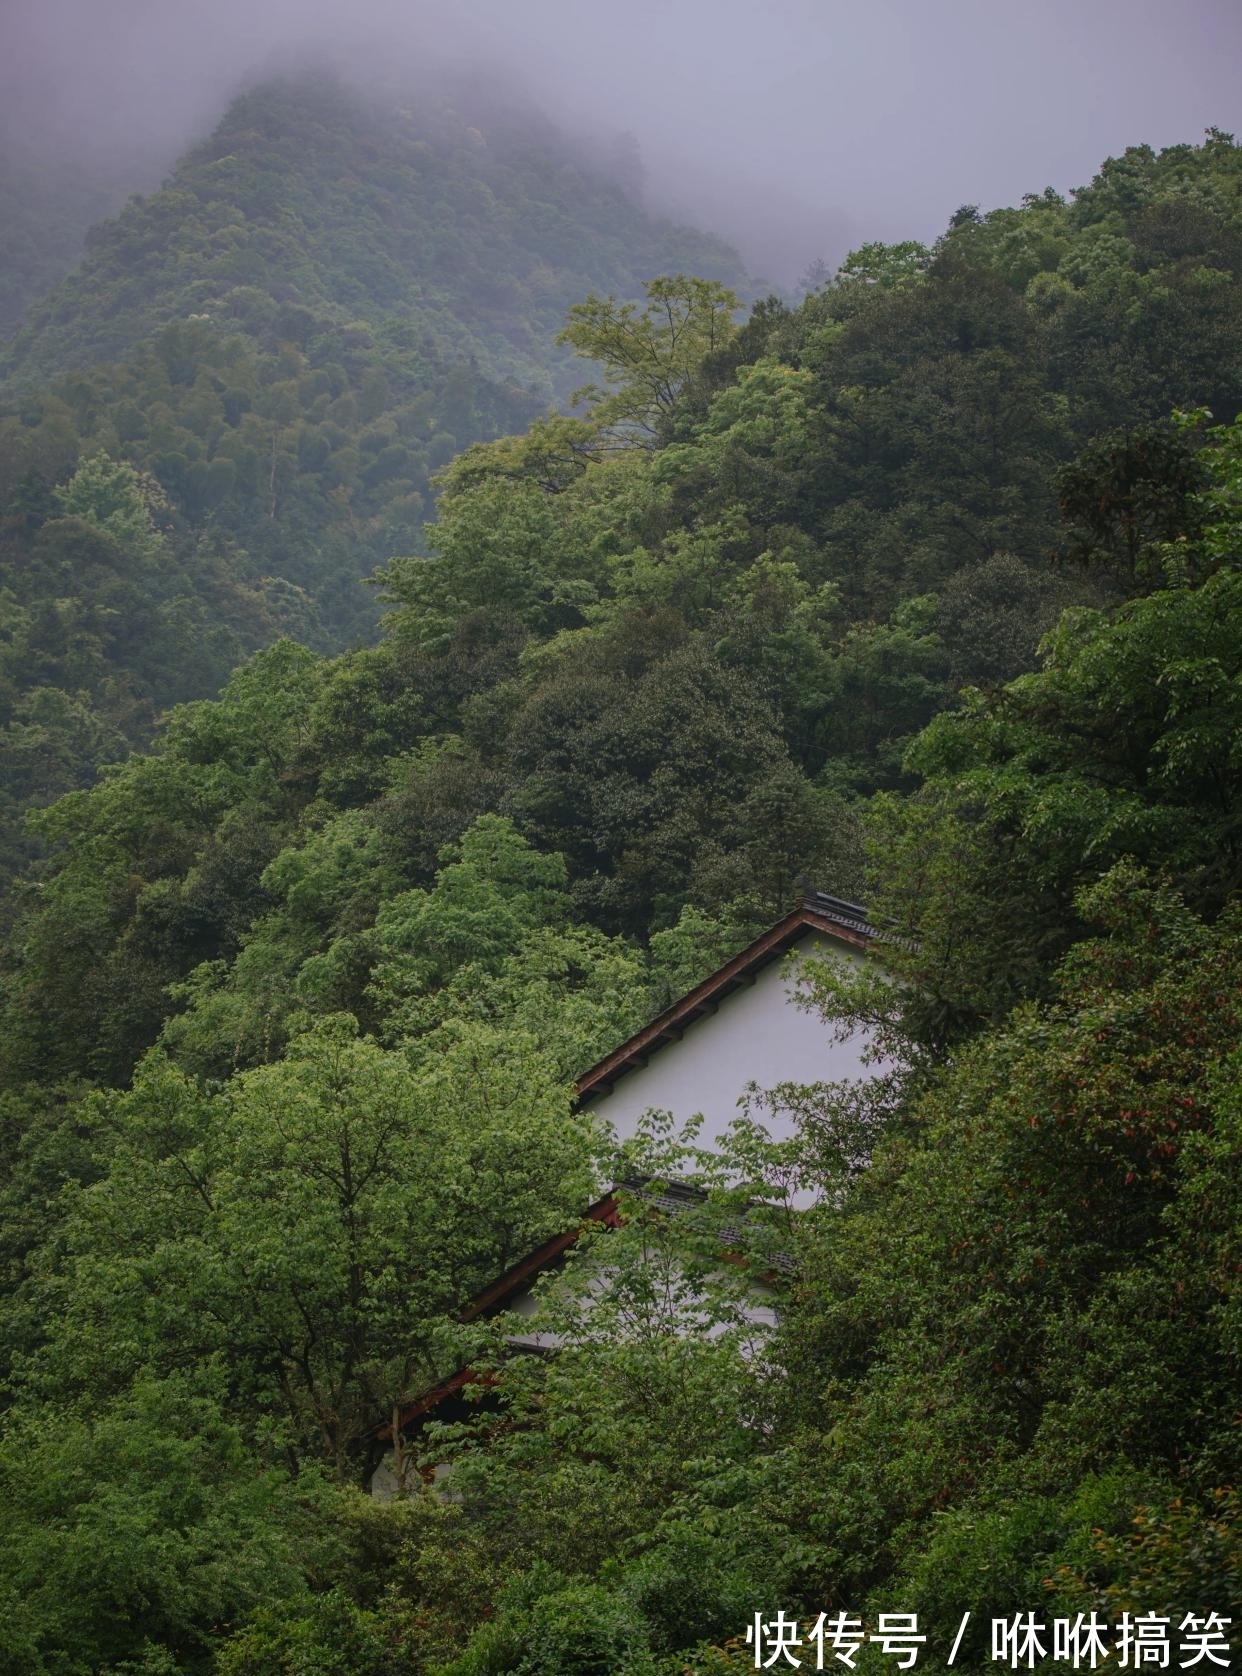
46 207
312 195
292 1002
263 364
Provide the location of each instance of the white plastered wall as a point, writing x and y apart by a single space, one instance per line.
757 1035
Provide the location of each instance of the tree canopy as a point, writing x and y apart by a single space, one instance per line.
925 587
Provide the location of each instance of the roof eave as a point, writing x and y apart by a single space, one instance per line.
671 1024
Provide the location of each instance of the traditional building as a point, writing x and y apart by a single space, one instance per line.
741 1026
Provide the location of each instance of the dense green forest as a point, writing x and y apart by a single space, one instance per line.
928 587
47 205
263 364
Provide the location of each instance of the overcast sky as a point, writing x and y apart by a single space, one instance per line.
796 127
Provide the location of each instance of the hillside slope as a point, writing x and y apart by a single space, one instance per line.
307 196
274 354
920 588
680 642
47 204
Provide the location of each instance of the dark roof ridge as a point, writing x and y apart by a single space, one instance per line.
514 1277
841 912
816 912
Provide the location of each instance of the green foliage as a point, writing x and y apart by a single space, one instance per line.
475 229
133 1527
1126 498
310 1229
1124 744
892 267
110 496
291 1005
47 204
579 1629
333 1637
1011 1302
1173 1555
651 354
249 384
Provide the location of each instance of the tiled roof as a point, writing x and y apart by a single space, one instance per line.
817 912
671 1197
848 915
496 1296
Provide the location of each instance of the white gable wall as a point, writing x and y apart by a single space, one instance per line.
757 1035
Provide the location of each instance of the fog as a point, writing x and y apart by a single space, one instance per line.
797 128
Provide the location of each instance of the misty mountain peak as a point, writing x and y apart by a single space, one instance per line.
475 223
